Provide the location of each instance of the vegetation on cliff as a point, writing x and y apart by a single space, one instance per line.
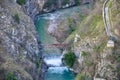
69 58
10 76
21 2
18 44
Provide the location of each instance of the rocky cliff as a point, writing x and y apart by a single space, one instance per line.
34 7
20 57
94 59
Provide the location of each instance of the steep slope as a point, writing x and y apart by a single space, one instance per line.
19 53
34 7
89 43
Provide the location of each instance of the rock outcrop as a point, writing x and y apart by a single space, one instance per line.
19 51
94 59
34 7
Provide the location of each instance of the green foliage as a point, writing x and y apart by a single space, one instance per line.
100 47
38 61
77 2
10 76
69 59
84 54
118 59
79 77
65 2
16 18
119 69
72 25
82 77
49 3
109 4
21 2
88 63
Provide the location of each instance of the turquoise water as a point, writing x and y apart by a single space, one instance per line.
41 26
53 56
59 73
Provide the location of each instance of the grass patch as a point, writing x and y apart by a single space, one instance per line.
109 4
91 25
82 77
21 2
88 63
70 38
10 76
71 24
99 48
84 54
16 18
69 59
96 26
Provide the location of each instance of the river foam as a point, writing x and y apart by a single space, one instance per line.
53 61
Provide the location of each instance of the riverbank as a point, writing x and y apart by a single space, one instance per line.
44 26
34 7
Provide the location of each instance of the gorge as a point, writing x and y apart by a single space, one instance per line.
45 24
59 40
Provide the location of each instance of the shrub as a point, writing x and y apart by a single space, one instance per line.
118 59
65 2
16 18
10 76
71 25
99 48
77 2
88 63
82 77
38 62
69 59
21 2
84 54
49 3
79 77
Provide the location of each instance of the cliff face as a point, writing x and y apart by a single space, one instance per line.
19 53
94 59
34 7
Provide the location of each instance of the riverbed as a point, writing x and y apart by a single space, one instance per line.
45 23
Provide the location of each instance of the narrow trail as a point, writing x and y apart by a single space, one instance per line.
106 19
111 38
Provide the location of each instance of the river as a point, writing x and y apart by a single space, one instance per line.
52 56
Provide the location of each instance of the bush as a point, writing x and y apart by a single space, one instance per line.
65 2
16 18
71 25
10 76
77 2
21 2
84 54
69 59
82 77
79 77
49 3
